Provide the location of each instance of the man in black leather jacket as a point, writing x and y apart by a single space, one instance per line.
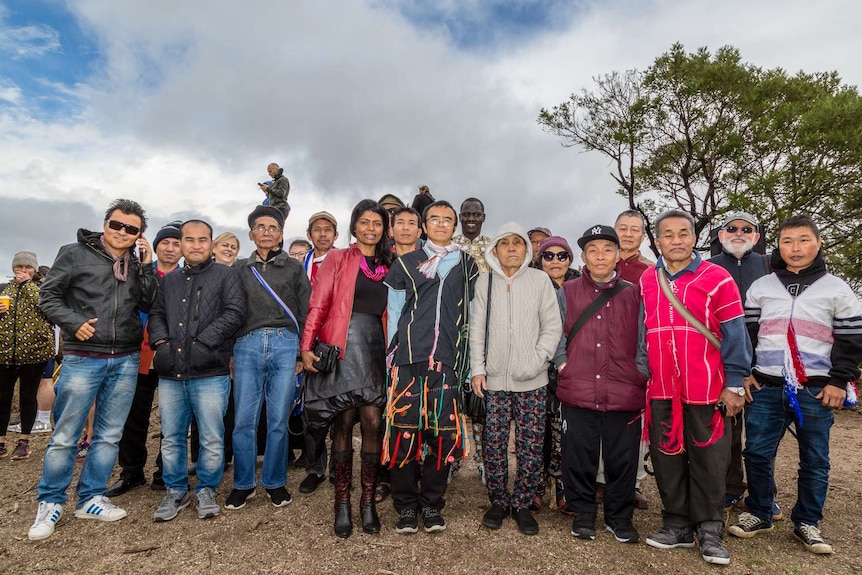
94 293
196 313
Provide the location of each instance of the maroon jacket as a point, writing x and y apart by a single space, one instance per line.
602 362
331 303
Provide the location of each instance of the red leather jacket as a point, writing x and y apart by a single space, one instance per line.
331 303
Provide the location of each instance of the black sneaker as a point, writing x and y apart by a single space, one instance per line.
711 548
811 539
671 538
432 520
493 518
748 525
279 497
238 497
407 523
311 482
526 523
623 530
584 526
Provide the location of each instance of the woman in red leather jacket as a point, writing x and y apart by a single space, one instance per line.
346 310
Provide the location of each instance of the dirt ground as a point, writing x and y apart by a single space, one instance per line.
298 538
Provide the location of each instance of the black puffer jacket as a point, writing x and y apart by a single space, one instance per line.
81 286
197 311
745 270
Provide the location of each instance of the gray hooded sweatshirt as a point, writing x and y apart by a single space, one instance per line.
525 325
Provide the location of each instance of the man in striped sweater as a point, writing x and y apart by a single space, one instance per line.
808 327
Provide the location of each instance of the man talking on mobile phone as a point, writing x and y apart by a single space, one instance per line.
94 293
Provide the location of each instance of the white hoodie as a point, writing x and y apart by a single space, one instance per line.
525 325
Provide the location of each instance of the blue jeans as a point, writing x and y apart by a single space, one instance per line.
110 383
206 398
768 417
264 364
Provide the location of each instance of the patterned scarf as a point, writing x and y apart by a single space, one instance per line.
428 268
121 264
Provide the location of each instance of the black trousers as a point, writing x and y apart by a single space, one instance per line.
405 483
28 377
132 456
586 433
691 484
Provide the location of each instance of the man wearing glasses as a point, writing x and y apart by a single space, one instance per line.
265 358
738 237
429 297
94 292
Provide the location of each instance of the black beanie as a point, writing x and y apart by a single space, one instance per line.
171 230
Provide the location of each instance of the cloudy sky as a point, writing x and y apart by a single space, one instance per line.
181 105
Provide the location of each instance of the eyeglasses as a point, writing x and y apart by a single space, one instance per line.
271 229
117 226
297 254
562 256
441 221
743 229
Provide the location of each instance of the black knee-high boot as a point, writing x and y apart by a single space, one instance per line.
343 467
367 507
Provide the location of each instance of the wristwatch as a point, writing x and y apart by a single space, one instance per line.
740 391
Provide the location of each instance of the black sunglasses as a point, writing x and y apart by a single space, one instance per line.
562 256
744 229
117 226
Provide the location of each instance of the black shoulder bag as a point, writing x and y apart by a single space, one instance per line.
471 404
597 303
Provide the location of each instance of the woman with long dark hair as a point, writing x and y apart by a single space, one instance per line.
346 310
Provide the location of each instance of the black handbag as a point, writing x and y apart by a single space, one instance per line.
471 404
328 355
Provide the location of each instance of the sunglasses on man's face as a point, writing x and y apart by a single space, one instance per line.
117 226
562 256
743 229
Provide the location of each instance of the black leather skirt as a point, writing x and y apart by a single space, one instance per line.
359 378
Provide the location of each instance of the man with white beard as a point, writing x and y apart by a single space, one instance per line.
738 236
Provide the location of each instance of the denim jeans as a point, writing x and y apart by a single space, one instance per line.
110 383
264 365
768 417
206 398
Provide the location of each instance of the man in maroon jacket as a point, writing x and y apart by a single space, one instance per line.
602 394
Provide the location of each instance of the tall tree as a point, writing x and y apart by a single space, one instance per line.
710 133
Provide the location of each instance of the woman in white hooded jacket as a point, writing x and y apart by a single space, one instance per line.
511 369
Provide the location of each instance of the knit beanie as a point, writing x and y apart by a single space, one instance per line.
555 241
25 258
171 230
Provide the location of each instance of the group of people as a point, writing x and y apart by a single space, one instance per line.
589 365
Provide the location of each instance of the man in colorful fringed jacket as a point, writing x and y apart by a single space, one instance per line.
697 365
429 300
808 328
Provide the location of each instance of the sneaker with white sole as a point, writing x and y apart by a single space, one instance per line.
46 518
172 503
207 506
810 537
14 428
748 525
101 509
41 427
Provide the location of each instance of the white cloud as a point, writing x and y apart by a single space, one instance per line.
186 107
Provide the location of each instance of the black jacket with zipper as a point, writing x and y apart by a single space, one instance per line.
197 311
81 286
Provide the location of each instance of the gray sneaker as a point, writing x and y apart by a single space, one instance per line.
172 503
671 538
711 548
207 506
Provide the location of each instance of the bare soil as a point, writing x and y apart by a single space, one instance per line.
299 539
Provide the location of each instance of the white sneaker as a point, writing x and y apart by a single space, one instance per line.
46 518
14 428
41 427
101 508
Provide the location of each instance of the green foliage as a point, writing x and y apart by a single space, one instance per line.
710 133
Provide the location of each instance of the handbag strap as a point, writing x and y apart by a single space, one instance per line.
278 300
683 311
597 303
